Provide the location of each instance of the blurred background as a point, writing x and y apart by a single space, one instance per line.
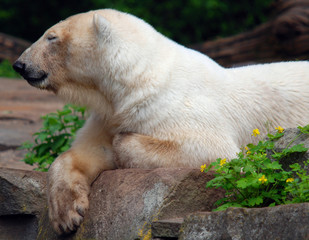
233 33
185 21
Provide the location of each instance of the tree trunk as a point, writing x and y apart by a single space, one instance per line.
284 37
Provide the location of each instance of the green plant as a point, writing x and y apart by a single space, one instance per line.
6 70
58 132
299 188
254 180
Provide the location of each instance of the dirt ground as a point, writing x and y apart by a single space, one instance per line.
21 107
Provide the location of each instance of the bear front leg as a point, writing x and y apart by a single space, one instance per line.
70 176
132 150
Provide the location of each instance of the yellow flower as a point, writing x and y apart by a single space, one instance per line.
255 132
248 152
148 235
222 162
280 129
263 179
203 167
290 180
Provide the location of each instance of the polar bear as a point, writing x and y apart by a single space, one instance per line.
154 102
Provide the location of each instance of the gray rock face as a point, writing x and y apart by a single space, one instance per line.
21 192
169 228
292 137
123 203
18 227
285 222
22 199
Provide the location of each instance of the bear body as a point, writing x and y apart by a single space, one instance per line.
154 102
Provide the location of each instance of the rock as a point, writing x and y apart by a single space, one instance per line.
285 222
123 203
22 199
292 135
18 227
168 228
21 192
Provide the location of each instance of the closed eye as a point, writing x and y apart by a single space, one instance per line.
51 37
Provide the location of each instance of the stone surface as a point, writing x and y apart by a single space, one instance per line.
18 227
290 135
21 192
286 222
22 199
168 228
123 203
21 107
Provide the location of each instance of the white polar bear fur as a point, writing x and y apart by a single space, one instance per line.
170 92
154 102
161 89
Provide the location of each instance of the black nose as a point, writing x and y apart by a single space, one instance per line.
19 67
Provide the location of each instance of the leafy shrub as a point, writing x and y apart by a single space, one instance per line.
6 70
58 132
253 180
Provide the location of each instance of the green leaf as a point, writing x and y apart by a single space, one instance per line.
42 136
276 136
59 141
227 205
304 129
240 178
278 155
55 136
255 201
70 118
42 149
273 165
243 183
295 167
64 112
249 168
295 148
26 145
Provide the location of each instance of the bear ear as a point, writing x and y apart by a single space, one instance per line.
101 25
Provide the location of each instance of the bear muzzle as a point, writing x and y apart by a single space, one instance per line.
33 76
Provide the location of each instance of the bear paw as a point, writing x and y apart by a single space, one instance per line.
67 198
67 206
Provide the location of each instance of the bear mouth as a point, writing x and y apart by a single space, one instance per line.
34 75
37 81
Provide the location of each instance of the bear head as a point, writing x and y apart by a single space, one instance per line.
93 51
